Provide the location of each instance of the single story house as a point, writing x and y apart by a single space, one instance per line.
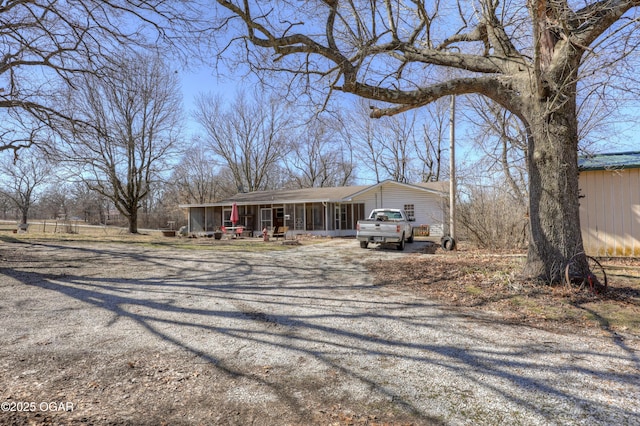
610 204
322 211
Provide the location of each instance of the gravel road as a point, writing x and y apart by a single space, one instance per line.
127 334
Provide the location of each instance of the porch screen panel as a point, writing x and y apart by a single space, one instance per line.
210 222
350 221
278 216
299 217
318 216
247 217
197 219
308 214
290 211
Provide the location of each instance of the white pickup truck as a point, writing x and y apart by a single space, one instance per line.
385 226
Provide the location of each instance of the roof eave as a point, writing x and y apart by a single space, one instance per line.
273 202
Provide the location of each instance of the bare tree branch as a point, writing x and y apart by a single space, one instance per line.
134 116
48 45
525 56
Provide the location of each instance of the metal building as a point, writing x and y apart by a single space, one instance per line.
610 204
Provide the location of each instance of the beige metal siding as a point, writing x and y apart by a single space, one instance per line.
610 212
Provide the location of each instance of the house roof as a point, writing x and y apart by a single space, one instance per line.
315 195
296 195
441 186
619 160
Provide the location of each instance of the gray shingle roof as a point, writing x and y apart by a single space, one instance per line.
297 195
313 195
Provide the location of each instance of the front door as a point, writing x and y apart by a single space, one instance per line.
266 218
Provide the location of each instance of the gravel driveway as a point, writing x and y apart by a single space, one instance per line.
126 334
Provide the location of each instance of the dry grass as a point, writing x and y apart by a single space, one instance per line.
470 278
50 231
485 281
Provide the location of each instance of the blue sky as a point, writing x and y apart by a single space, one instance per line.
195 82
203 80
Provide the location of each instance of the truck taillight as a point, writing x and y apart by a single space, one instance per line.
398 229
357 227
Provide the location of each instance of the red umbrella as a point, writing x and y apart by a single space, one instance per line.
235 216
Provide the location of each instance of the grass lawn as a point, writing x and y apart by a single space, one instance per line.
52 231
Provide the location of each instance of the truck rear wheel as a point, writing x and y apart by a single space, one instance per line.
401 243
364 244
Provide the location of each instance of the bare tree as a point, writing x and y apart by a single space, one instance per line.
493 203
161 209
489 217
6 205
22 177
524 56
320 157
385 148
396 143
431 143
195 177
363 135
55 201
405 148
502 139
250 137
46 45
87 204
134 115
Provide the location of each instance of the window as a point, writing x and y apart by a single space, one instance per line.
410 210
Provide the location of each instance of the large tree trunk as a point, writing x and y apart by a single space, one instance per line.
25 214
133 221
553 184
552 155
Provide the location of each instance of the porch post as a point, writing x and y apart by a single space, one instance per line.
326 218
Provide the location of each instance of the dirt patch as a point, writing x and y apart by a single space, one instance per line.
483 281
156 333
142 334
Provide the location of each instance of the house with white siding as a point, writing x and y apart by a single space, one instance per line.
610 204
322 211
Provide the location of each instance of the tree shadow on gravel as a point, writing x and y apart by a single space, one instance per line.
372 341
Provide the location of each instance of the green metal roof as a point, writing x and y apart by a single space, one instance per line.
611 161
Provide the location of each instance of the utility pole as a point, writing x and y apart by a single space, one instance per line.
452 169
